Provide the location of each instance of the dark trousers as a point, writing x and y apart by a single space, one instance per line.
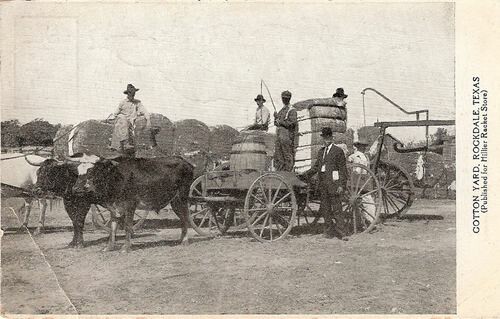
284 153
331 208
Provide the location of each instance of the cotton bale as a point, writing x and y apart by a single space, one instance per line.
162 133
221 140
328 102
61 141
191 136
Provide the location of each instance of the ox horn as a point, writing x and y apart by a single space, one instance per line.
33 163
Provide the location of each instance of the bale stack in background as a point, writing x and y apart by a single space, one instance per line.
61 142
190 136
313 115
368 133
222 138
164 132
426 168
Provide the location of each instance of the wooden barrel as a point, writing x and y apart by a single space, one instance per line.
248 152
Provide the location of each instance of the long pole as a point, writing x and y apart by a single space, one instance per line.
268 92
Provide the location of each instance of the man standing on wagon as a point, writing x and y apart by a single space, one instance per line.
286 131
331 168
128 111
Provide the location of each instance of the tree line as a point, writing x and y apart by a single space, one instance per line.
35 133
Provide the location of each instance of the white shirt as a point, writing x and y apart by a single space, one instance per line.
262 115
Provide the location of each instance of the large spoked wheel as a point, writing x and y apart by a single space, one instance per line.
362 202
305 210
270 208
397 189
101 218
207 220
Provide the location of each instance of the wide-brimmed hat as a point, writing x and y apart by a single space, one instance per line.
130 88
361 141
340 93
287 94
326 132
260 98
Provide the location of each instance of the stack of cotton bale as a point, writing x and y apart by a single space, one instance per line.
313 115
94 137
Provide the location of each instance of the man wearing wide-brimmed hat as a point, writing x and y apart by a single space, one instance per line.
262 115
286 131
331 168
359 157
128 111
339 97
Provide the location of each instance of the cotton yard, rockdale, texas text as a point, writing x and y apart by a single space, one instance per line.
479 153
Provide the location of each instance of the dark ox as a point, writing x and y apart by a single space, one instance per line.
58 178
125 184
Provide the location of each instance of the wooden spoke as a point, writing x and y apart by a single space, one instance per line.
258 199
278 227
264 225
282 198
358 181
262 188
276 194
366 182
373 191
204 210
392 204
271 227
259 218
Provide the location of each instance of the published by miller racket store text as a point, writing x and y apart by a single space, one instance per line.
479 154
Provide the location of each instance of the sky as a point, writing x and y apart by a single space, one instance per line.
70 62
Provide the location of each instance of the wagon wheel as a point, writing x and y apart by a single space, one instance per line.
270 208
397 189
101 218
207 220
305 210
362 202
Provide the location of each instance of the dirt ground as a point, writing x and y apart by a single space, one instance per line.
406 266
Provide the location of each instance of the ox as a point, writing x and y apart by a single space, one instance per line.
123 185
58 178
18 179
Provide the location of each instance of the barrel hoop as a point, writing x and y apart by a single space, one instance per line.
248 152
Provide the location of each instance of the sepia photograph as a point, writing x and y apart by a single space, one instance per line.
218 158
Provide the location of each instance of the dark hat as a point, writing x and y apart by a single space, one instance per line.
340 93
286 94
260 98
130 88
326 132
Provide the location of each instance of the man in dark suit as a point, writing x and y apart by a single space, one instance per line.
332 172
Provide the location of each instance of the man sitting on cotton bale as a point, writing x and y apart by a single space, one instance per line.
262 115
128 111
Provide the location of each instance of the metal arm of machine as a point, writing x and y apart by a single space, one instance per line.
438 149
417 113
